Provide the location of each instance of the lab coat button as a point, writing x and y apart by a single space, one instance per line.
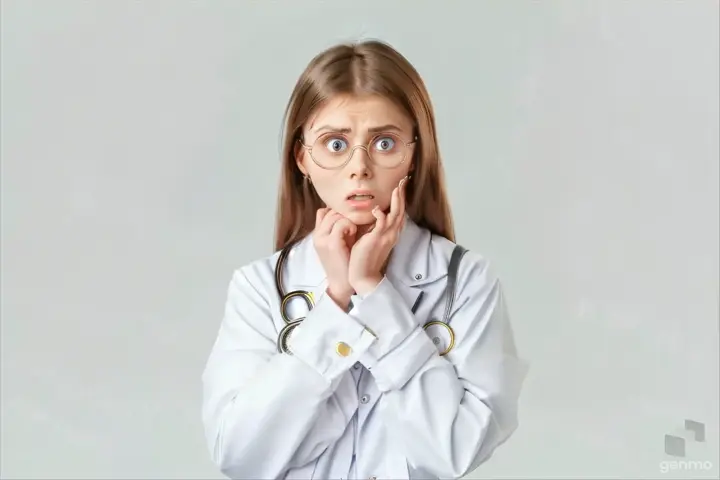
356 366
343 349
365 399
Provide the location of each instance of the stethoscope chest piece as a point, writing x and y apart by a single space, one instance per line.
441 334
440 331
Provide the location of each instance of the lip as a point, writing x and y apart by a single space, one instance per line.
361 204
360 192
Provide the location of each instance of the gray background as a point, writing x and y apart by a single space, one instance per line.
139 167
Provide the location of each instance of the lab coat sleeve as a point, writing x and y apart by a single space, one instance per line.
264 412
448 413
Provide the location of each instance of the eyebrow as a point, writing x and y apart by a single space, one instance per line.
378 129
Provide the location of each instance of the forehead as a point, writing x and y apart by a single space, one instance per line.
359 113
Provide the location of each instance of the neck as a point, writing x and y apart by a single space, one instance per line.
363 229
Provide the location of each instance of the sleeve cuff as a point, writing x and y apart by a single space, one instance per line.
402 346
384 312
329 340
396 368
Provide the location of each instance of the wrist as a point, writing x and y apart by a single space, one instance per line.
364 286
341 296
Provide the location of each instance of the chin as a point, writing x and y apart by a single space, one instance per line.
360 217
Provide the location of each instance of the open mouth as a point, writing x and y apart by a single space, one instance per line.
363 196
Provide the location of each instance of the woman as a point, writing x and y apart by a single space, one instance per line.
370 383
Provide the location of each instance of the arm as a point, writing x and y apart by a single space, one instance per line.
265 413
450 412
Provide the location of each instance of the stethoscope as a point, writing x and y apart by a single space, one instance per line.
291 324
285 298
457 254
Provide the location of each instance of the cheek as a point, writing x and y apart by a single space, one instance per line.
326 186
391 185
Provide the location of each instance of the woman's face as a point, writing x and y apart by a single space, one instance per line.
340 125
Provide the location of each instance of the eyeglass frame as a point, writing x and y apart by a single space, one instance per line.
355 147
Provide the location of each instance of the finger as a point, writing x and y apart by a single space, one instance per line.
343 233
327 223
380 221
397 204
403 202
343 228
319 215
394 205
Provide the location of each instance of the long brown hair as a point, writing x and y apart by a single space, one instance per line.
369 67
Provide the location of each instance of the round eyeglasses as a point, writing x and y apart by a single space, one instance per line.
333 150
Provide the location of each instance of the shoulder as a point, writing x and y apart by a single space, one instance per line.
300 266
475 270
261 267
256 276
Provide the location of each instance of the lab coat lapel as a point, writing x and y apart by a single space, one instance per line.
412 263
303 270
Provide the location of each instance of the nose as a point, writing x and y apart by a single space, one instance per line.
359 164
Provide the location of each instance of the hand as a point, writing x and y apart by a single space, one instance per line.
371 251
333 237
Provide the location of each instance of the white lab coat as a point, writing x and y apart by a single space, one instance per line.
393 408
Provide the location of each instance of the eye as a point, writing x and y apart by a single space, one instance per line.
335 145
385 144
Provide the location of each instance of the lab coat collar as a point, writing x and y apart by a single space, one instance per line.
412 262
